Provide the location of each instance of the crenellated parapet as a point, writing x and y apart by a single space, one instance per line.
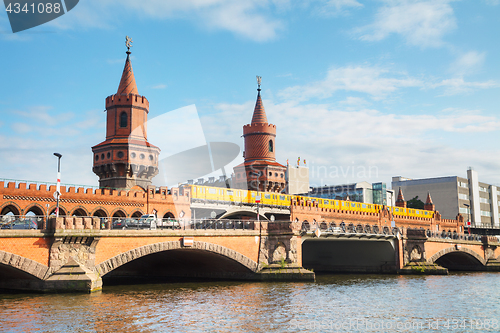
101 202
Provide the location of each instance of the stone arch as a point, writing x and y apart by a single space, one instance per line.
137 213
62 211
454 249
168 215
26 265
121 259
36 208
100 212
118 212
79 211
10 207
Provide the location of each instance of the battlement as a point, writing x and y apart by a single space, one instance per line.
127 100
41 190
259 127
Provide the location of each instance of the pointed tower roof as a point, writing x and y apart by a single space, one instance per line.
400 195
429 199
127 83
259 114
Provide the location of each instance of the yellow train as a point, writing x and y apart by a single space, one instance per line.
237 196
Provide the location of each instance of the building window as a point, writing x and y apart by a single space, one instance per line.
123 119
483 189
120 154
463 196
102 156
271 146
142 156
462 184
133 155
270 174
464 210
485 213
484 200
97 157
151 157
108 154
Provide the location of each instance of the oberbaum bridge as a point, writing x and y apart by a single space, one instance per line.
77 251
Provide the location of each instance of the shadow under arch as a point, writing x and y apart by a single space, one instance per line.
203 259
459 259
15 268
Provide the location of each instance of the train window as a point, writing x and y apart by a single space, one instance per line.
326 202
253 194
417 211
267 196
425 213
229 192
282 197
364 206
353 205
342 203
212 191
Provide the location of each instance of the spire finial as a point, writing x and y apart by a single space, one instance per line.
259 80
128 43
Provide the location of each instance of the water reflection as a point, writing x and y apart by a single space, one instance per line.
333 301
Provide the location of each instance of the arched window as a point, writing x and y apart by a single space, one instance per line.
271 146
123 119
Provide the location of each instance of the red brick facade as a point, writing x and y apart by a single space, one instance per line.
126 159
260 171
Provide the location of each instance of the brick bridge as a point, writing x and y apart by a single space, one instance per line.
74 254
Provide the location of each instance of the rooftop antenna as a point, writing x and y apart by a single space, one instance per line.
259 80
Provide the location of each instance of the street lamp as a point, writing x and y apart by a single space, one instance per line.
58 188
468 217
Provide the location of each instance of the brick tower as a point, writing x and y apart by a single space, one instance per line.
126 158
260 171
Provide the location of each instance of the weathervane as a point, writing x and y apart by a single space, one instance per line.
128 43
259 80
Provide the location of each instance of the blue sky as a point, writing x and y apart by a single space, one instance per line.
363 90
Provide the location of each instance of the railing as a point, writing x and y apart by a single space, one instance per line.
344 228
452 235
22 222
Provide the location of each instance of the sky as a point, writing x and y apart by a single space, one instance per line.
361 90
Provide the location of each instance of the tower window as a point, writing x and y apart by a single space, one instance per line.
271 146
123 119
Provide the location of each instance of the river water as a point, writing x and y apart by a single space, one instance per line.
459 302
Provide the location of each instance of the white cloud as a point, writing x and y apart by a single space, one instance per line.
251 19
458 85
159 86
335 7
421 23
468 63
369 80
372 144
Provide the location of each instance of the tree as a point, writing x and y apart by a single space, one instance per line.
415 203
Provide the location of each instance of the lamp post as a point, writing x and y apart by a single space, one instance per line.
468 217
58 188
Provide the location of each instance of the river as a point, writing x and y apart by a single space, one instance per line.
459 302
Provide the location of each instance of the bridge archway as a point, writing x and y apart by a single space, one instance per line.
119 213
168 215
10 208
80 211
35 209
17 272
171 259
62 211
459 259
100 212
137 213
